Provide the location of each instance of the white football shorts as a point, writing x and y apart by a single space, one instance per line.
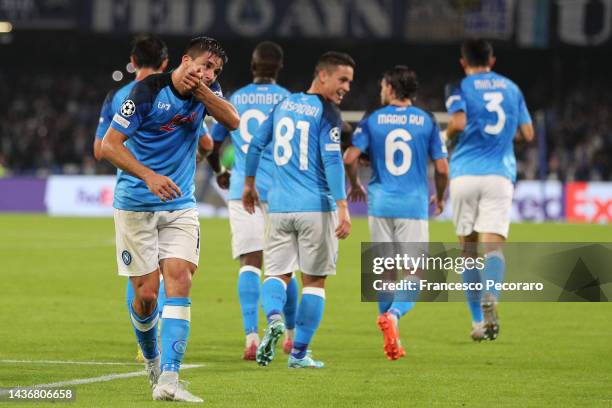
482 204
248 230
398 229
145 238
305 239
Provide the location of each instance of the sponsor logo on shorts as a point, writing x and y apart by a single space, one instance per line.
126 257
180 346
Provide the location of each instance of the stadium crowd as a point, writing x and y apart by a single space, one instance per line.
47 123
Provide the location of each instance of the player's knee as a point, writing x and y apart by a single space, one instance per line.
146 296
314 281
252 259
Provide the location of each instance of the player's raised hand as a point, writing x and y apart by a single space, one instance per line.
223 179
357 193
344 220
163 187
438 203
191 80
250 198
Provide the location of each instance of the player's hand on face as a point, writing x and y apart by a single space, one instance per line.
191 80
438 203
344 223
223 179
250 198
163 187
357 193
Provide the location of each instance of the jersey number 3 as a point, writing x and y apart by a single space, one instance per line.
396 141
285 130
494 100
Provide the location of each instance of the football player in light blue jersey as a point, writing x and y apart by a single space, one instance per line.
399 139
253 103
486 112
152 140
307 188
149 56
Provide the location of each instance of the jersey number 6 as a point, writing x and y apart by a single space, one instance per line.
396 141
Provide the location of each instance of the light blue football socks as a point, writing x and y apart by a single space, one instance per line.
473 296
176 318
145 329
273 297
248 295
290 309
495 265
309 315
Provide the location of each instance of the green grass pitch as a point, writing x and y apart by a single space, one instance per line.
62 300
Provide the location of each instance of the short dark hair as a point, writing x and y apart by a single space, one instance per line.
333 59
149 51
403 80
267 59
199 45
477 52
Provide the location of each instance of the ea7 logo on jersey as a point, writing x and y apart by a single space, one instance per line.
128 108
334 134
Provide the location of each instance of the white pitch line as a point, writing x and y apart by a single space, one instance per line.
113 363
103 378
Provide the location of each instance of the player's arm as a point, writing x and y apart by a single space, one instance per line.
456 124
526 132
114 150
219 133
261 138
205 147
438 153
441 181
359 145
222 110
106 115
456 107
331 154
205 142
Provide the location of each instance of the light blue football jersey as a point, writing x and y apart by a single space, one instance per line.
253 102
308 170
494 108
111 104
399 141
162 129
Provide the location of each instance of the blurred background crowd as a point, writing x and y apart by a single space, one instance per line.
52 88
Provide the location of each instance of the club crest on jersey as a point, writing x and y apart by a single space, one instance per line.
126 257
334 134
178 120
128 108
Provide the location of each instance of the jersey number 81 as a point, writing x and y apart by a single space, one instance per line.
283 134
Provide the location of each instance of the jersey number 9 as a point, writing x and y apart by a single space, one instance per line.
259 116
